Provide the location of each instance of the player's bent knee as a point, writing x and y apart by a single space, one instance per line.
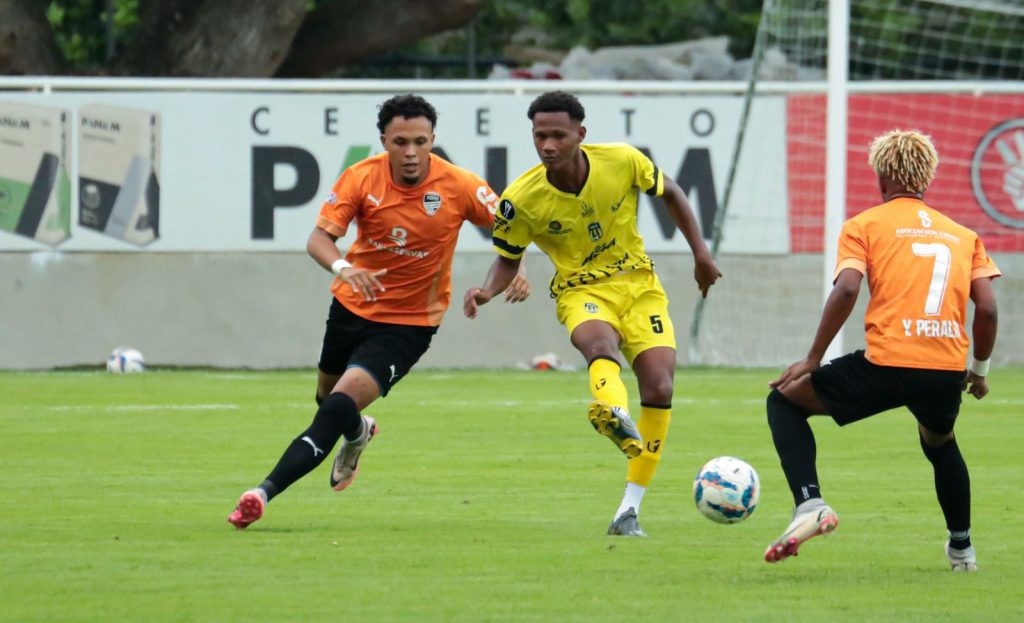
340 409
932 441
779 407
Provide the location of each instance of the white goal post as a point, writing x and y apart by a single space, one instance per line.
852 70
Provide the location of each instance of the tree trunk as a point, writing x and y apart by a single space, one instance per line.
341 33
26 41
223 38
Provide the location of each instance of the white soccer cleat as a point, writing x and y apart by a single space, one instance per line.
962 559
819 519
346 463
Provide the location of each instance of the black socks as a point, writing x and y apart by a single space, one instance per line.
794 442
953 488
336 416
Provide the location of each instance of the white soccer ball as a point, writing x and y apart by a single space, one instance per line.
726 490
125 361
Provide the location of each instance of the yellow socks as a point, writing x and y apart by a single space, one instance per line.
653 427
606 383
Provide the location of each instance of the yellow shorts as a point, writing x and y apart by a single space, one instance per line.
634 303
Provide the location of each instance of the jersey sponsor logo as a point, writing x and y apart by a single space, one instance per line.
487 198
431 203
590 307
331 199
375 200
399 236
598 250
587 211
618 204
914 232
397 250
997 173
595 231
555 228
926 220
507 210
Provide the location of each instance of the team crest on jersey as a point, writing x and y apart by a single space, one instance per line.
595 231
431 203
331 199
590 307
507 210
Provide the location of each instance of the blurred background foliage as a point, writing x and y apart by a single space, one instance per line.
82 29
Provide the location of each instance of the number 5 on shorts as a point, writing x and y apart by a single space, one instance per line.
656 325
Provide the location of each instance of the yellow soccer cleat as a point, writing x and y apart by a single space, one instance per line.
615 424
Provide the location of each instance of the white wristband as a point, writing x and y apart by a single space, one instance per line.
338 265
979 368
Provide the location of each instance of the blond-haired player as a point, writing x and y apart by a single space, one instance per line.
921 268
579 206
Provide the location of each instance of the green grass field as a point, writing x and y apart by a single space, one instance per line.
485 498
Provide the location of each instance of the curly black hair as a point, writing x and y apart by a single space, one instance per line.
557 101
407 106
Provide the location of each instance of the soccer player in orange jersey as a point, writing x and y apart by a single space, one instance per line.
390 291
921 268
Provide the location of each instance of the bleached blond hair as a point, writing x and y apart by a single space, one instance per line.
905 157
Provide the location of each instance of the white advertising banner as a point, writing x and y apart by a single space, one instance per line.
221 171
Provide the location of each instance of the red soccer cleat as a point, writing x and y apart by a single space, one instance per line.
250 508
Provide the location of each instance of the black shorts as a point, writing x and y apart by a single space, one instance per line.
386 351
853 388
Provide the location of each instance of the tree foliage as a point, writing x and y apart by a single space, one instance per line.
311 38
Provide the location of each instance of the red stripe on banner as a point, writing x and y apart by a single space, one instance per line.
980 179
805 171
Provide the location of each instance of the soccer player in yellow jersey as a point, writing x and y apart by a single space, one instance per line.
921 268
579 206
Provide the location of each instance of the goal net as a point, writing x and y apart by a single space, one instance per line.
950 68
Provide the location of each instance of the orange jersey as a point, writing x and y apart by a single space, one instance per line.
919 266
410 231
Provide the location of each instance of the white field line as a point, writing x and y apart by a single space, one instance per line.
119 408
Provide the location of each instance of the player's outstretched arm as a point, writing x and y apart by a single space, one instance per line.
837 309
322 247
705 272
519 290
501 274
983 334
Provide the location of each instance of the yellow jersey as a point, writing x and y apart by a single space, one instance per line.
590 235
